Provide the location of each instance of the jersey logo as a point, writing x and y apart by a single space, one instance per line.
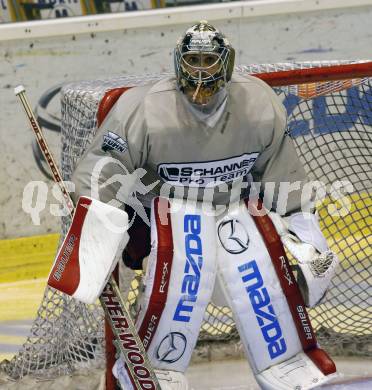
112 141
203 173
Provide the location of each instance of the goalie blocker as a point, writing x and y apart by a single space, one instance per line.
87 256
244 252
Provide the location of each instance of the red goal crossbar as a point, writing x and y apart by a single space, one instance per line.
312 75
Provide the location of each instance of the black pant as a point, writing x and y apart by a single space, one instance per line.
139 244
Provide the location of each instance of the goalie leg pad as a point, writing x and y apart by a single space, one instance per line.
268 308
178 283
260 309
87 255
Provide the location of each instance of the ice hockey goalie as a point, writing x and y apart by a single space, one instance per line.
190 158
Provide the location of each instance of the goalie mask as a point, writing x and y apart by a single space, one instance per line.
204 62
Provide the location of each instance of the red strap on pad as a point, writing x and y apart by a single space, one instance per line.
290 288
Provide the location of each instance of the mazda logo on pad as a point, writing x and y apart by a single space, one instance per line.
233 236
171 348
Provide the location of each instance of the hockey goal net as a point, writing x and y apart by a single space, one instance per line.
329 108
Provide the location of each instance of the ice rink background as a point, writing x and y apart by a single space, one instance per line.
41 62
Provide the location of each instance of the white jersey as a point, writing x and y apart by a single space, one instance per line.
152 127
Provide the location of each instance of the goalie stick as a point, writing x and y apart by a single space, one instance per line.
127 339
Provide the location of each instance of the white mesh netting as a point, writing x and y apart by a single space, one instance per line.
332 134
